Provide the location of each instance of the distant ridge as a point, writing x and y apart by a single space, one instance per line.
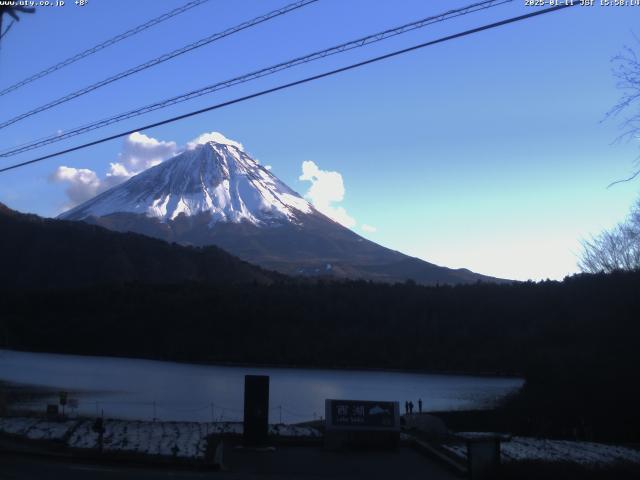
46 253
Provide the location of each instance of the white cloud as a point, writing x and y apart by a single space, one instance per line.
368 228
327 188
213 137
139 152
83 183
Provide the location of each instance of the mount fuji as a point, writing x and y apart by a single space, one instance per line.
216 194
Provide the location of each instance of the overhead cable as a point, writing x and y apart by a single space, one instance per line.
295 83
158 60
358 43
103 45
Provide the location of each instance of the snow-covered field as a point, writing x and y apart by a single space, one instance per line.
188 440
180 439
582 453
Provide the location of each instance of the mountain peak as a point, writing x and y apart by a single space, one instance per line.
216 138
212 176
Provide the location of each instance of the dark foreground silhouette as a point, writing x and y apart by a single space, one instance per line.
75 288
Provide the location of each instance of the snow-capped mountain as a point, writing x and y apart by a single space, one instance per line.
218 179
216 194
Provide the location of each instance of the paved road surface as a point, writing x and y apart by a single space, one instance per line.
284 464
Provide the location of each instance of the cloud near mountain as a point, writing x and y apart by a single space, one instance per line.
327 189
213 137
140 152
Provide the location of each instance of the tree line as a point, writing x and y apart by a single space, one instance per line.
574 341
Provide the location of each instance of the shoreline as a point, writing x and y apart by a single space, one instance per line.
515 376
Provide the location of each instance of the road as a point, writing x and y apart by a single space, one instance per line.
284 464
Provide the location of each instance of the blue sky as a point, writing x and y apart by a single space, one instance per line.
488 152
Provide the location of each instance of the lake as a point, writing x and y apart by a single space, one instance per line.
146 389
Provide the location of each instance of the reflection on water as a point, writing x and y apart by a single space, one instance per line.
144 389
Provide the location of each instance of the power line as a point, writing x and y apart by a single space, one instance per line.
161 59
2 34
360 42
103 45
297 82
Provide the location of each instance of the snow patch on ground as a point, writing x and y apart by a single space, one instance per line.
36 429
180 439
540 449
17 426
584 453
83 436
293 431
50 430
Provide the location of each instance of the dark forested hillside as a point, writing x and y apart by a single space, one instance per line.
42 253
483 327
575 341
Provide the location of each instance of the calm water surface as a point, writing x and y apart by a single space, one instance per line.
144 389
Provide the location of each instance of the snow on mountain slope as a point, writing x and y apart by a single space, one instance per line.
216 177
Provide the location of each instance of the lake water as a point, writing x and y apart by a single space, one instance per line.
144 389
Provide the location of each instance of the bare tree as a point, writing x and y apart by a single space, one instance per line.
615 249
619 248
626 70
13 12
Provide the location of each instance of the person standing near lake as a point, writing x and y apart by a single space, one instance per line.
406 407
410 407
419 405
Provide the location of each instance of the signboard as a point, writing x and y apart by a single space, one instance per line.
362 415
